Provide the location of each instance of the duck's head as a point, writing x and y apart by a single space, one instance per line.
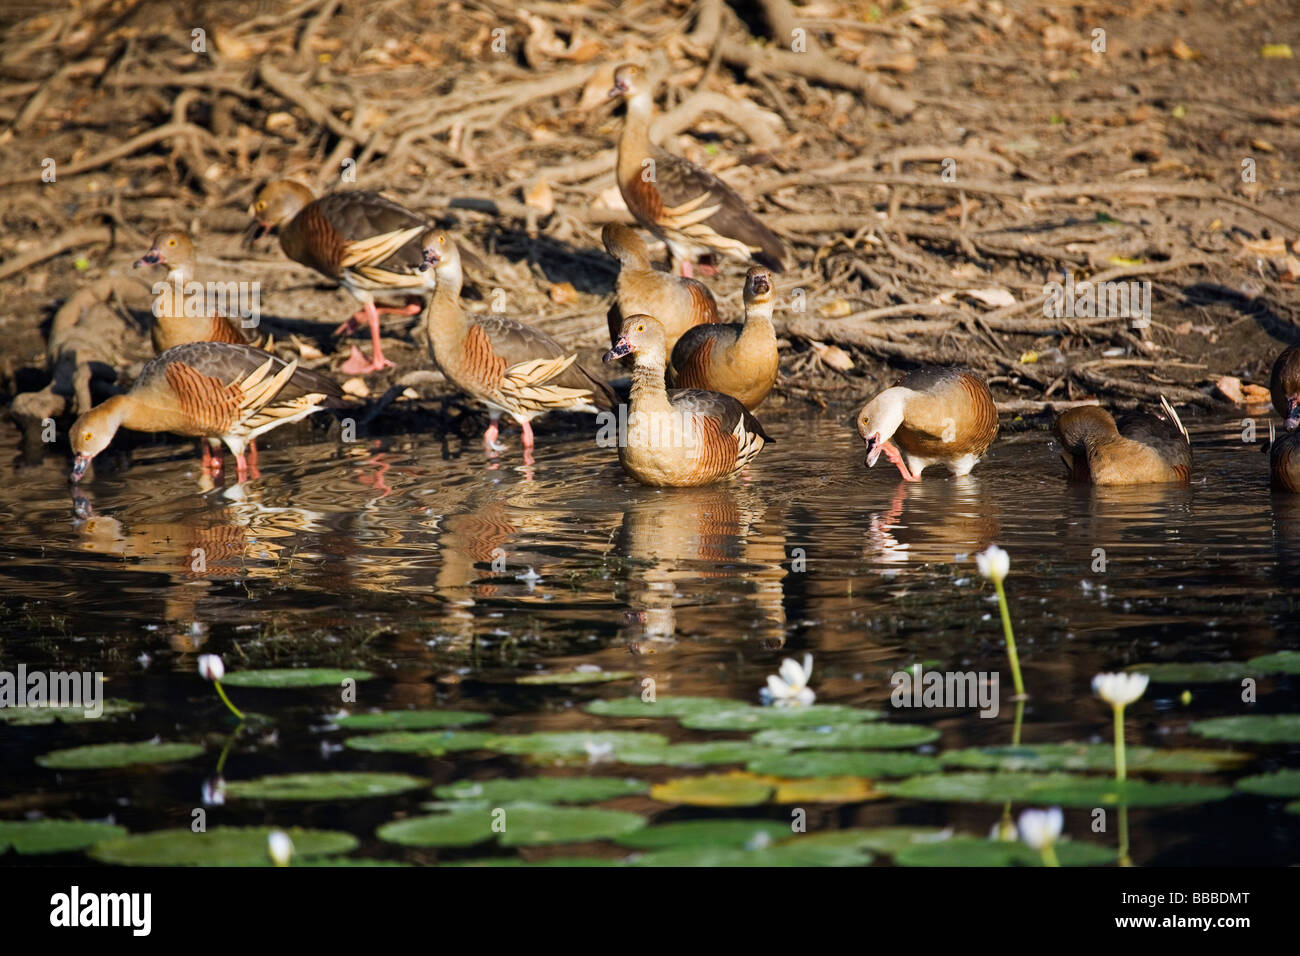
171 247
278 202
629 80
438 252
759 289
92 433
879 419
641 334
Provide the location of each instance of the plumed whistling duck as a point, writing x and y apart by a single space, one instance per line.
1284 383
687 207
172 325
679 303
1284 460
936 415
736 359
1144 448
679 437
510 367
207 390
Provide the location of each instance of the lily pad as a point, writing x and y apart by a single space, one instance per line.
576 677
826 790
836 763
1196 672
880 736
560 861
516 825
715 790
972 851
322 786
33 716
412 719
1071 756
430 743
1070 790
542 790
760 718
462 828
613 744
1255 728
887 840
1283 783
54 836
661 707
790 853
1283 662
704 754
220 846
293 677
96 756
736 834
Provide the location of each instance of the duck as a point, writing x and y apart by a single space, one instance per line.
219 390
1284 462
679 303
734 358
175 324
1284 384
364 241
680 437
1143 448
936 416
688 208
512 368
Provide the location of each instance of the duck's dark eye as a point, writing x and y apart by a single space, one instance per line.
640 328
87 436
261 204
171 242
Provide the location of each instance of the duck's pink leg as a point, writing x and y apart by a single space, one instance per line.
357 363
241 468
361 316
528 442
252 457
211 463
896 457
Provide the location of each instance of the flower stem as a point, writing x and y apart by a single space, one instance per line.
233 709
1011 640
1121 765
1049 855
1124 858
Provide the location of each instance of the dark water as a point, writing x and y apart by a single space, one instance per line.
380 555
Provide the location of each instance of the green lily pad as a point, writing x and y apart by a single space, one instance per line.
561 861
835 763
714 790
790 853
760 718
704 754
412 719
542 790
516 825
293 677
736 834
220 846
888 840
661 707
322 786
54 836
1255 728
463 828
612 743
576 677
96 756
972 851
1071 756
1283 783
430 743
880 736
1069 790
1292 807
1283 662
1202 672
33 716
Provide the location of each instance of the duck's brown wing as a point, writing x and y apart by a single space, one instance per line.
722 408
695 350
1164 437
694 197
225 364
517 344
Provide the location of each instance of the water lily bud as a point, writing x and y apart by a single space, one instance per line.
280 847
1120 690
214 791
993 564
211 667
1039 828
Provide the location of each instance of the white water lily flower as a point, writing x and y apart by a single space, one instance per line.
280 847
214 791
1120 690
211 667
993 564
1040 828
790 688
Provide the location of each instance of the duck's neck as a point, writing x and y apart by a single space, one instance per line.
113 413
648 393
634 144
758 324
170 303
445 322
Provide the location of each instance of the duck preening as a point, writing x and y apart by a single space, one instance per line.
932 416
1284 460
736 359
687 207
1284 384
512 368
176 320
678 437
210 390
1143 448
679 303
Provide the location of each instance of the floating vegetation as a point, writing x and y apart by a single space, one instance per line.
412 719
834 763
580 676
716 790
560 861
826 790
1252 728
1283 662
1071 756
598 744
761 718
974 851
1065 789
516 825
880 736
54 836
294 677
661 707
887 840
1282 783
100 756
790 853
704 754
35 716
736 834
431 743
322 786
1208 672
542 790
220 846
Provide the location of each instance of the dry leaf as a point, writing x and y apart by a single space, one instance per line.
305 349
1181 50
1270 248
833 356
538 195
998 298
356 387
1229 387
563 293
835 309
